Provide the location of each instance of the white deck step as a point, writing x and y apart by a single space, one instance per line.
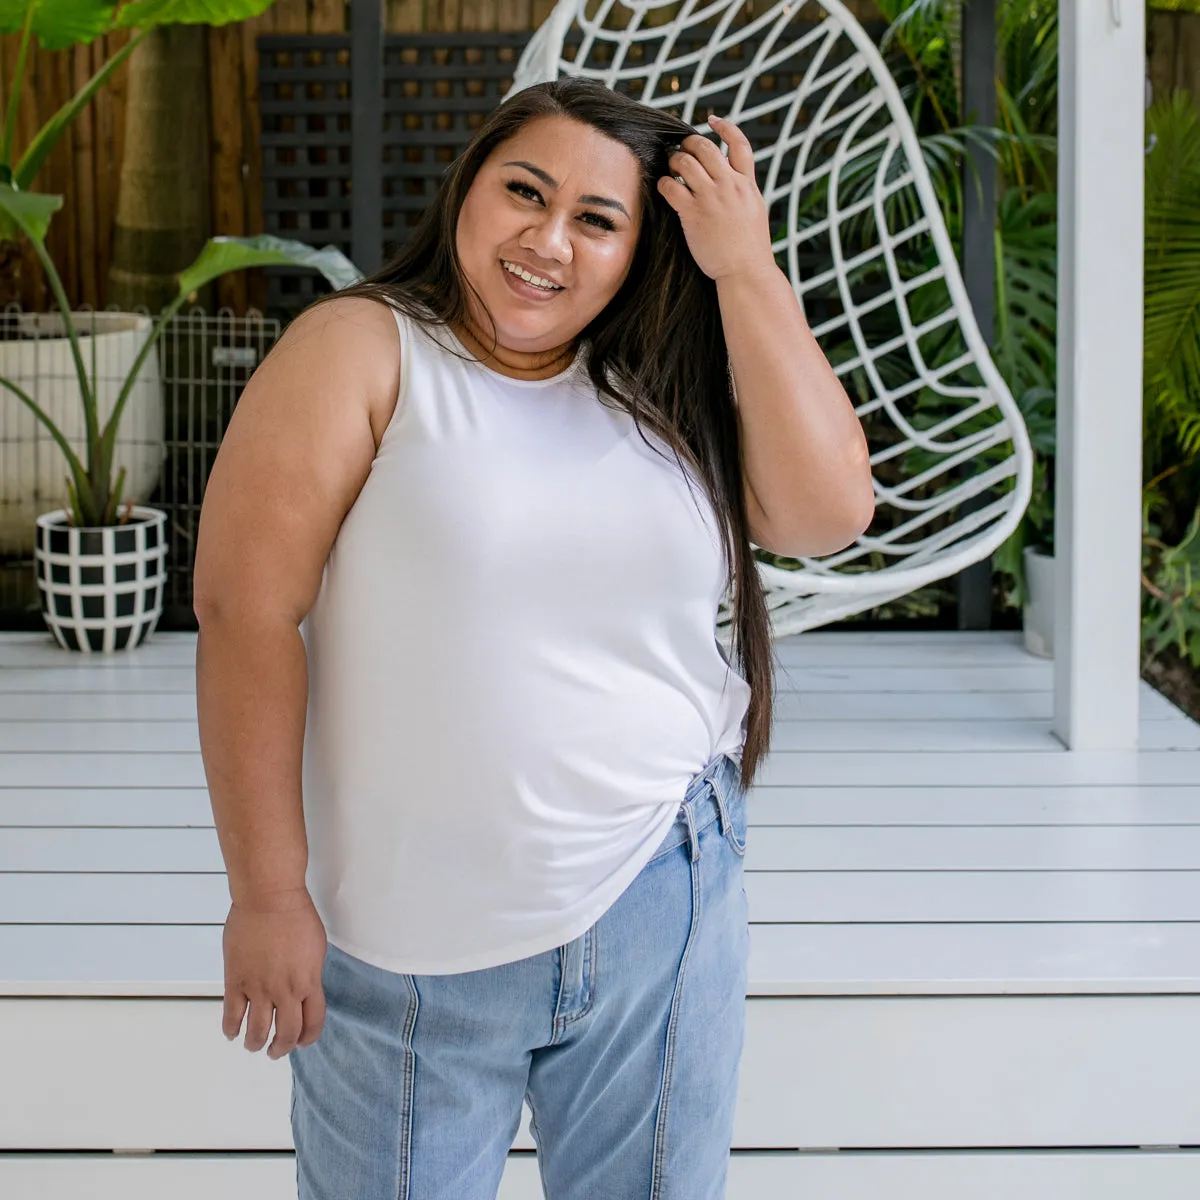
753 1175
894 1072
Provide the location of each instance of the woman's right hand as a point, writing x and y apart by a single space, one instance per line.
274 949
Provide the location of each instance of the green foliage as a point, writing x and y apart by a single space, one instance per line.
1172 283
57 24
1026 290
1171 590
1171 380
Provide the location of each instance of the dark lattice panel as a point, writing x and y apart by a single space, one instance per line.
304 83
438 88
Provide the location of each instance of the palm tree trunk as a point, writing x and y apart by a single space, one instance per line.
163 210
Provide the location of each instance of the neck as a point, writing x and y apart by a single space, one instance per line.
540 365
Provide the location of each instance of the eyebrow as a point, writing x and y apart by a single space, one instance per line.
551 182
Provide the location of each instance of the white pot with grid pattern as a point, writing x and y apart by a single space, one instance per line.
102 587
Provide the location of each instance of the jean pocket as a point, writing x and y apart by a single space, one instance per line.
735 827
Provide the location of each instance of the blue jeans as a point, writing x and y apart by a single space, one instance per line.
626 1043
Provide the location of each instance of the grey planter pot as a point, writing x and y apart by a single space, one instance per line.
1039 612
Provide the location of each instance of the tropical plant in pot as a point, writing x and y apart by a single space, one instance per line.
1025 352
100 562
35 350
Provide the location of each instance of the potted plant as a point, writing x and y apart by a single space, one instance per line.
37 346
1028 555
101 564
100 559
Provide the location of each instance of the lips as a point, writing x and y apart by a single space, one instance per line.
532 271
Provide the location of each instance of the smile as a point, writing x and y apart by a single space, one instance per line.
546 285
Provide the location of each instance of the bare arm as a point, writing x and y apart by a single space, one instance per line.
291 464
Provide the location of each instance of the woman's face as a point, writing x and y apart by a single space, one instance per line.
559 201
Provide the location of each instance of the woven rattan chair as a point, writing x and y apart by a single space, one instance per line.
857 226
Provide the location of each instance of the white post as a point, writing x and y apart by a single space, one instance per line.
1101 120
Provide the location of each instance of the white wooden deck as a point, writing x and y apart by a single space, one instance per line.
975 962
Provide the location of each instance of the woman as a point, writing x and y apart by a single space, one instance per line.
477 761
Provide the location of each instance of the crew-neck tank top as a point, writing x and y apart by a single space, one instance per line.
513 668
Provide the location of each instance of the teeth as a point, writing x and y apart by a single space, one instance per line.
536 280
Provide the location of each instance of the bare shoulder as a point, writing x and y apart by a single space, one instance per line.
294 458
352 338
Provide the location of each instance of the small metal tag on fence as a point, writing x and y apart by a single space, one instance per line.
234 356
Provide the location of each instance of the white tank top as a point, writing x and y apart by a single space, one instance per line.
513 669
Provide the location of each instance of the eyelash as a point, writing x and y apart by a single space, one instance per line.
518 187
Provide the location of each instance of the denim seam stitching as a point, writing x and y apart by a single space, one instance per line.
660 1128
537 1141
408 1103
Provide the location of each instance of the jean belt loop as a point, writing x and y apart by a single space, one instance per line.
718 789
693 840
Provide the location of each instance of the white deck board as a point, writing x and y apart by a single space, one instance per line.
862 848
835 1175
802 960
106 708
916 829
790 897
832 769
854 734
1082 804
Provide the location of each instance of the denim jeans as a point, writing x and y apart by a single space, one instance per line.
626 1044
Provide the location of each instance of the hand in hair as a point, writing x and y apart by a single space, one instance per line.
723 213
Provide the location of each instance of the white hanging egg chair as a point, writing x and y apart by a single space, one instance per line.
858 228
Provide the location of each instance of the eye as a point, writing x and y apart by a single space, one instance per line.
523 189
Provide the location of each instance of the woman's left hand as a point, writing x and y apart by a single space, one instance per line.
723 213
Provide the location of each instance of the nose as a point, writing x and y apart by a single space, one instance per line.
548 237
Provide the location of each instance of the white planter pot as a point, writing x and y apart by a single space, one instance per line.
32 469
101 588
1039 611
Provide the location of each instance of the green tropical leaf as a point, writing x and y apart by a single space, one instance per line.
145 14
1026 290
58 24
26 212
222 255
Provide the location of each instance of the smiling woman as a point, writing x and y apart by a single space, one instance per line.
463 711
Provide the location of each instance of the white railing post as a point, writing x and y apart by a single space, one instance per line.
1099 462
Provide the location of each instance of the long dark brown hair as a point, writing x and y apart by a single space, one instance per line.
657 350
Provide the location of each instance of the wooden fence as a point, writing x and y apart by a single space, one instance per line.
86 164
